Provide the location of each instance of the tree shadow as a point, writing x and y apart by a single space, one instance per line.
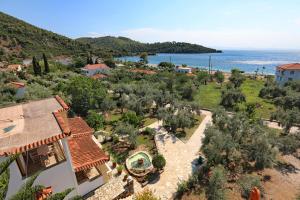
286 168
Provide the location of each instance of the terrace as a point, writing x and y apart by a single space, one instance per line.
40 158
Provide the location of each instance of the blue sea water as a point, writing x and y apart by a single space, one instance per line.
247 61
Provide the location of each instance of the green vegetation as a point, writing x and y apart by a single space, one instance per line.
126 46
145 195
159 161
19 39
209 96
216 186
287 100
95 120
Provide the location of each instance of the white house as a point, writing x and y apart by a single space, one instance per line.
62 149
185 70
288 72
90 70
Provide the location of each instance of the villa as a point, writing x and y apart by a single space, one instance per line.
182 69
90 70
288 72
62 149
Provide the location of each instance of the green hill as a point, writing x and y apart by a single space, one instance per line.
126 46
19 39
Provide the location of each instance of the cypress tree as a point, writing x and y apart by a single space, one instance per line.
39 69
88 59
34 65
46 65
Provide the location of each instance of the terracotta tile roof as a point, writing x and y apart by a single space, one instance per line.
13 67
62 102
61 118
99 76
17 84
79 127
84 151
96 66
292 66
143 71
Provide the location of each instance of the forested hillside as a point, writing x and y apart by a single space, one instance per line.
127 46
19 39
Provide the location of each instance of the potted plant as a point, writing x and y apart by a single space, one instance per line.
114 164
120 169
159 162
125 177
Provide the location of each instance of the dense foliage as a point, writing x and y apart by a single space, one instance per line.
159 161
126 46
19 39
287 99
235 142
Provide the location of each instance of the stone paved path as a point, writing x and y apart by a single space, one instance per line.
180 158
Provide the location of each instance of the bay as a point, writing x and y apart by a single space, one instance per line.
247 61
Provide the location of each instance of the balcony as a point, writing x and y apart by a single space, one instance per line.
40 158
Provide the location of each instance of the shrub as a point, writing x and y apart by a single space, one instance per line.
216 187
159 162
247 183
182 187
149 131
132 118
95 120
145 195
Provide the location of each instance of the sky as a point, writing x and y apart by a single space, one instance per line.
222 24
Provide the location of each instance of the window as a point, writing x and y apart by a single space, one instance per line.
290 79
292 72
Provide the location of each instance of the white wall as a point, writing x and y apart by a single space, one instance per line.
88 186
91 72
56 176
283 78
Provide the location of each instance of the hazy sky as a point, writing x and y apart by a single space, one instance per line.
238 24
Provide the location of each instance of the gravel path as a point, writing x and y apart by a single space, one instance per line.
180 158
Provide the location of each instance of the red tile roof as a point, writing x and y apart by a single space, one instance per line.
292 66
61 102
17 84
13 67
61 118
99 76
84 151
143 71
96 66
79 127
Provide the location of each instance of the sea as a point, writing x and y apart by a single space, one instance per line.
248 61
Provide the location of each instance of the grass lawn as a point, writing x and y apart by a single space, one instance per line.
251 90
188 132
145 140
209 96
114 117
148 120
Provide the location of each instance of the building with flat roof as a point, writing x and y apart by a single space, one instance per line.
62 149
185 70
